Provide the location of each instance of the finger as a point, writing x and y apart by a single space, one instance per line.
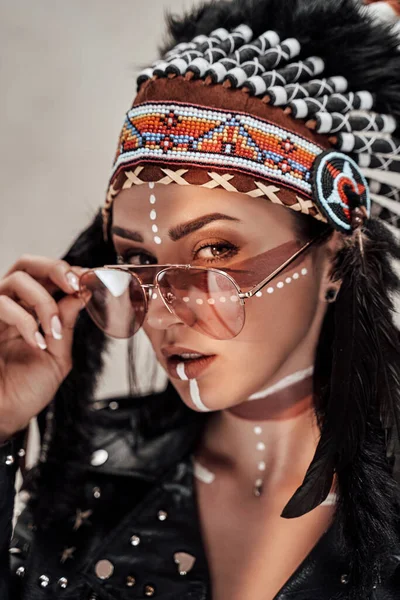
22 286
57 272
14 315
69 308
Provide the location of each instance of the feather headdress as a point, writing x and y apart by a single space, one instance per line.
304 96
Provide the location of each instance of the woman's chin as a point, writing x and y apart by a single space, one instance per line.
200 397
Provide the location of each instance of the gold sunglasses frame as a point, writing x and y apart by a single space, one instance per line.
148 288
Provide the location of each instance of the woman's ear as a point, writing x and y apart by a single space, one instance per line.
328 288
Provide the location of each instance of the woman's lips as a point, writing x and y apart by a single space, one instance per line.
193 367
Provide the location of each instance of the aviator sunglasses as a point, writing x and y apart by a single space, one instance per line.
207 299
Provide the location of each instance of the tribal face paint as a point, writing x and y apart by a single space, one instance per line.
195 396
153 214
282 323
295 388
194 388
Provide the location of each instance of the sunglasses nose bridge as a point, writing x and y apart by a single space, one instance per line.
150 290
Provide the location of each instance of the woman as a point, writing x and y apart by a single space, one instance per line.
239 233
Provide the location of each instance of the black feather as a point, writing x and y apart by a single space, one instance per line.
361 406
317 481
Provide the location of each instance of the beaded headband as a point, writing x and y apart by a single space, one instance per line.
233 111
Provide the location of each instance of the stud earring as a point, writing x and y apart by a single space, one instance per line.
331 294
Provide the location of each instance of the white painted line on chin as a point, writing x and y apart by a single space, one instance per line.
195 395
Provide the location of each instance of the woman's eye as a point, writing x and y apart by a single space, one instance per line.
135 257
215 251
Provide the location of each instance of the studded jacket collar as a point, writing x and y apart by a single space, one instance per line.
137 532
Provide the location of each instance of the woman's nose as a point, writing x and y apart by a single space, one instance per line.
158 316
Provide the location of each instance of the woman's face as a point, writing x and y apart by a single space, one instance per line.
172 224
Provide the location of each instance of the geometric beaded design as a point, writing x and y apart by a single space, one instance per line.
339 187
182 135
191 134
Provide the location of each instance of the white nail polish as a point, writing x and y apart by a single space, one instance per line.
56 328
73 280
41 342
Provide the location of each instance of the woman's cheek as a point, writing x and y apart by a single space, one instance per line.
281 311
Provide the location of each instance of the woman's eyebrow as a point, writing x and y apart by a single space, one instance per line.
178 232
127 234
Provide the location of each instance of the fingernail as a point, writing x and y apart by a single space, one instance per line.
56 328
73 280
41 342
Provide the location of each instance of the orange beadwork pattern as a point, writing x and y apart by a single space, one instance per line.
190 134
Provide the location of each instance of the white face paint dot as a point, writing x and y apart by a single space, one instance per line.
234 299
153 216
270 290
260 446
211 301
259 294
295 275
304 271
151 184
186 299
257 430
199 301
261 465
154 296
222 299
288 279
280 284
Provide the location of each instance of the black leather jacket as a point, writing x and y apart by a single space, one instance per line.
137 529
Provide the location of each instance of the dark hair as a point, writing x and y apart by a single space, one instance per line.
357 367
55 491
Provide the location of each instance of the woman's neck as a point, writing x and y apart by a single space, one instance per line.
279 430
285 399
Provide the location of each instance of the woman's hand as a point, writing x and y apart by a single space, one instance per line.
33 366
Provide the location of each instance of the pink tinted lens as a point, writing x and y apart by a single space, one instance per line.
203 299
114 300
